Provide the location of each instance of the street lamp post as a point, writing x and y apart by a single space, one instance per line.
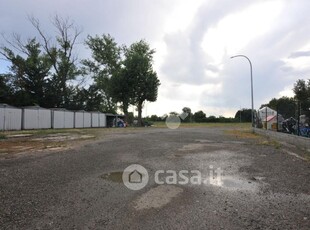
252 113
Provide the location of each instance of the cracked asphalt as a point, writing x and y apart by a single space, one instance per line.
262 186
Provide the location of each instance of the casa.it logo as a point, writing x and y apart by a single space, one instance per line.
135 177
173 121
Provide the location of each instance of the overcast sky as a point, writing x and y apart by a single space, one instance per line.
194 40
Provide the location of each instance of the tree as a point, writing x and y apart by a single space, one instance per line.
6 94
60 52
199 116
30 70
155 118
302 94
187 112
105 68
244 115
142 78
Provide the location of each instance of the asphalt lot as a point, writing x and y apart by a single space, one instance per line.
262 186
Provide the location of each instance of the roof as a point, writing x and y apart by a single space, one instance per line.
269 118
7 106
263 110
33 107
114 115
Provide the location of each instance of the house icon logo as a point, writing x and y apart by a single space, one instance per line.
173 121
135 177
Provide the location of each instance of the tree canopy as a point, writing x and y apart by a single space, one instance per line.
140 76
302 95
45 71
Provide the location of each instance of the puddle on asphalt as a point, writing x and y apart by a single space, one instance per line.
113 176
157 197
232 183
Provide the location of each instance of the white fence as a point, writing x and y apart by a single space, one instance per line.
62 119
36 118
102 120
79 119
98 119
12 118
87 120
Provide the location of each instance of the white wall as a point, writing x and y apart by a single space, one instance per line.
79 120
102 120
36 118
63 119
58 119
95 120
10 118
69 120
87 120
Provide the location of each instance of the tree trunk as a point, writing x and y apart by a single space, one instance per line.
139 114
125 110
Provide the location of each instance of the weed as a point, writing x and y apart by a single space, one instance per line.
2 136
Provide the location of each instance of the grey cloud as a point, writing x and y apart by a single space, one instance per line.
298 54
271 74
186 62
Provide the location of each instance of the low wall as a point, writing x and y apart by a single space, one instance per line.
284 137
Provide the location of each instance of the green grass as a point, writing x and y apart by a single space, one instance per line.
161 124
2 136
102 131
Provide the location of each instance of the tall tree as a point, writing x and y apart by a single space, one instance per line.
105 69
60 51
186 115
199 116
6 89
244 115
139 72
302 94
30 71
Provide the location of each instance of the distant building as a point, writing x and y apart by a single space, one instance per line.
268 118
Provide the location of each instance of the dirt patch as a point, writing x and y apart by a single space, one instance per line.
19 143
63 137
157 197
194 146
243 134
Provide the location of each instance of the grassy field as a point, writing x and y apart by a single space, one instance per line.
193 125
94 131
55 139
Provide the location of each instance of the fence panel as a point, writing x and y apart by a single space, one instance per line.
58 121
69 120
79 119
87 120
36 118
10 118
102 120
95 119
